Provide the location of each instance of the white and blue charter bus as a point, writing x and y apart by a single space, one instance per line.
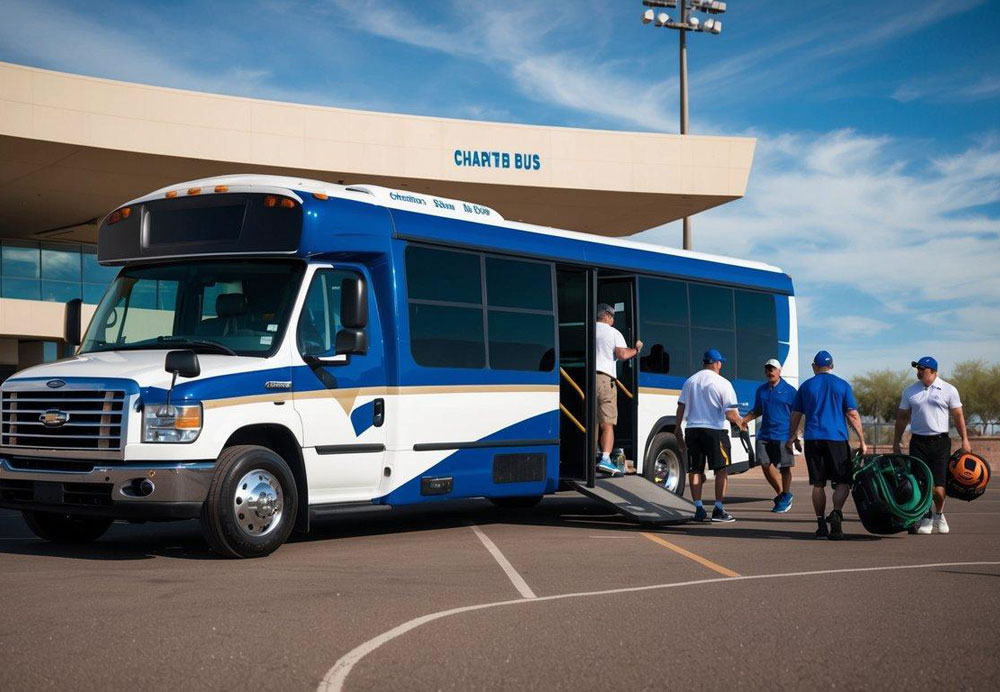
275 350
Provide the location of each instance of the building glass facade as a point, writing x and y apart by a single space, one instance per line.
54 272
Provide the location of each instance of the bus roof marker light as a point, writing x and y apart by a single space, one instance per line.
171 194
222 188
287 203
194 190
119 215
270 201
321 195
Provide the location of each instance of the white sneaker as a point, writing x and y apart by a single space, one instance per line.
941 524
925 526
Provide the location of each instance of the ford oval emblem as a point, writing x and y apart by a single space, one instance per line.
55 384
54 418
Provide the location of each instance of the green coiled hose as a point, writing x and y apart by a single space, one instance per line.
889 472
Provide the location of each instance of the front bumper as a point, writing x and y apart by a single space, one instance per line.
179 489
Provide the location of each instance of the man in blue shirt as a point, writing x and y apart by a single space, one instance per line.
827 403
773 405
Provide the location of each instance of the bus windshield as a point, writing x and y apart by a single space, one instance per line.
236 308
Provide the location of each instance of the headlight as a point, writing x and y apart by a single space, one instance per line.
162 423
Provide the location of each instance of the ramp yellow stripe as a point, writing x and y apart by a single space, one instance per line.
705 562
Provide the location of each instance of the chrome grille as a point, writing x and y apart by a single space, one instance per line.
93 419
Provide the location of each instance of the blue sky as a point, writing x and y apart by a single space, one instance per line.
876 182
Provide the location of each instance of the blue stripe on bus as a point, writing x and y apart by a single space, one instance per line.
471 470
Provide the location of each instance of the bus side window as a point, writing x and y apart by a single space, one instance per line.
320 318
663 327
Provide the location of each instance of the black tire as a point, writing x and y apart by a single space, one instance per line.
253 533
66 528
672 466
516 502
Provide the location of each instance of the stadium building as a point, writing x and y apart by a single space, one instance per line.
73 148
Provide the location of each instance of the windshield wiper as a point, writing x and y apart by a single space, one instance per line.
196 343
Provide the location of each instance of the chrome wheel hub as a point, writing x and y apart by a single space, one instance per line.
667 470
258 503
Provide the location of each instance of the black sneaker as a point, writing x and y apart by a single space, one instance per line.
822 531
836 519
722 515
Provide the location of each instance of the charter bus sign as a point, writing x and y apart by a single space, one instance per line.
483 158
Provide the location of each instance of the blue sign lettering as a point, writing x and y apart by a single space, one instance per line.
472 158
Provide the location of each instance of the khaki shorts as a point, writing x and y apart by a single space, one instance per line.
607 399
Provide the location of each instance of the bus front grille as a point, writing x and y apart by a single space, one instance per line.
71 419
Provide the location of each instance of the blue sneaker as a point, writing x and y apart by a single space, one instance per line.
700 514
783 503
608 467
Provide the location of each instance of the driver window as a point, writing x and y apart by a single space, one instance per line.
320 319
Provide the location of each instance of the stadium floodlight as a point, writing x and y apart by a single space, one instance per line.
684 24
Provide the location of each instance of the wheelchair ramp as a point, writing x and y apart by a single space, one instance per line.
639 499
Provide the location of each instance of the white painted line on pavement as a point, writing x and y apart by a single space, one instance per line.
334 679
516 579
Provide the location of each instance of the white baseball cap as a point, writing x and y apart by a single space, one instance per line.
774 363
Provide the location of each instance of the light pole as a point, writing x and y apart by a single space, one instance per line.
687 23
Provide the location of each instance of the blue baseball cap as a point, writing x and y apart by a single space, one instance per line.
823 359
925 362
712 355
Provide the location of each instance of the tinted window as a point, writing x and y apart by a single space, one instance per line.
756 333
711 306
516 284
320 318
60 264
663 327
443 275
445 336
168 225
521 341
20 261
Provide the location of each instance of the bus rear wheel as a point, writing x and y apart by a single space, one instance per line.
664 464
251 504
66 528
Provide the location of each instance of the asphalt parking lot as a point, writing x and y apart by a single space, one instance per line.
465 596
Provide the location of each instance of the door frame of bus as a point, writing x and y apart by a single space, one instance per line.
591 380
631 281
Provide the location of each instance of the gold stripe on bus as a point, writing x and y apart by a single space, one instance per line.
660 391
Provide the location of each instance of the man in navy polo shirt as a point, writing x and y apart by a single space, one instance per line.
827 402
773 405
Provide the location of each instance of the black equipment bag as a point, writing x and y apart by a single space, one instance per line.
892 492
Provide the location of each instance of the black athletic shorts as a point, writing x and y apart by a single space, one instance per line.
935 451
829 460
707 445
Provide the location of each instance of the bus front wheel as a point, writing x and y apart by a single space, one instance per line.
664 464
251 504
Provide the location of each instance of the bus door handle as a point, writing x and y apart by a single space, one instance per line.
378 414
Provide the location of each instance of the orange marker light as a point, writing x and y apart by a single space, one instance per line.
126 211
222 188
320 195
171 194
118 215
194 190
270 201
287 203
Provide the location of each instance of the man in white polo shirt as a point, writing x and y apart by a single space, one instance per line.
609 346
925 405
708 400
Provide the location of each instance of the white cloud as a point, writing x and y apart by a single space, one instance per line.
890 248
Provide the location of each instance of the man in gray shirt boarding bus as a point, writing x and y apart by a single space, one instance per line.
709 401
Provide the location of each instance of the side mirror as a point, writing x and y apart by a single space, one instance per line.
183 363
353 305
351 341
71 322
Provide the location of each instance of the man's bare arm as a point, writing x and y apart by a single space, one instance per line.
960 426
902 418
855 422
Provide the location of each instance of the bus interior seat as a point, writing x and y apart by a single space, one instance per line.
229 309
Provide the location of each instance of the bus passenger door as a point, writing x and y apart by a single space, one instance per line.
619 293
339 385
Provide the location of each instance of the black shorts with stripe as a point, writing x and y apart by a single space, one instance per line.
707 446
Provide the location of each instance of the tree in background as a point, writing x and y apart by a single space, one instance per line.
878 393
978 384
